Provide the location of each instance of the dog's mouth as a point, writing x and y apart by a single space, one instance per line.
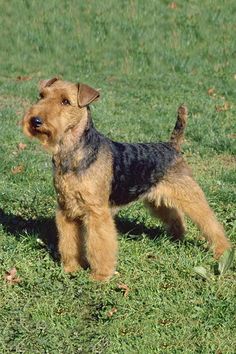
37 131
35 127
39 128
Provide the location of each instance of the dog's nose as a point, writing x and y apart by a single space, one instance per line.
36 122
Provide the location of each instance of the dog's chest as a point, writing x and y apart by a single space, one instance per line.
81 190
69 190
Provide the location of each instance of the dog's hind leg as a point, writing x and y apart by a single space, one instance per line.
182 193
172 218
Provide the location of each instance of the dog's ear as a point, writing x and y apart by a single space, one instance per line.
47 83
86 95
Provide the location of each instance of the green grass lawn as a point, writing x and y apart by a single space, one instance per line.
147 57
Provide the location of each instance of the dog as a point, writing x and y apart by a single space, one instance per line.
95 176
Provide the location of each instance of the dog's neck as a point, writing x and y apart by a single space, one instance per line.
78 148
73 136
83 126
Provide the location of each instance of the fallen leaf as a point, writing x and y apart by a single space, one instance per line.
22 146
111 312
166 286
223 108
202 272
232 136
111 78
172 5
125 288
151 256
211 91
226 261
165 322
219 351
17 169
11 277
23 78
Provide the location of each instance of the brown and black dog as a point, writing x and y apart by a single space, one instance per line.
95 176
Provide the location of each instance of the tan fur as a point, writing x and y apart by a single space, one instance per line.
179 191
171 217
50 108
71 242
87 234
177 135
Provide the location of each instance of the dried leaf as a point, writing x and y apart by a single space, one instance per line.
111 78
111 312
151 256
211 91
172 5
165 322
23 78
223 108
232 136
125 288
21 146
166 286
226 261
17 169
11 277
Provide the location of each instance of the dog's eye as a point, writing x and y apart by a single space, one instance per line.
65 102
41 95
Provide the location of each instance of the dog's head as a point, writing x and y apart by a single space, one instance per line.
61 105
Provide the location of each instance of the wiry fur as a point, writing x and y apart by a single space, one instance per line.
94 176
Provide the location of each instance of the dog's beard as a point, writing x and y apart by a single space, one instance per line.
46 135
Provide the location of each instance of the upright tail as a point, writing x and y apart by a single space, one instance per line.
177 135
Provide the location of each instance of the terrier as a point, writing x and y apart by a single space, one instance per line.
95 176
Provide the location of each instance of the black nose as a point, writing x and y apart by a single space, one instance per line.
36 122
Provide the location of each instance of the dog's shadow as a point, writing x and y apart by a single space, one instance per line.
135 230
45 229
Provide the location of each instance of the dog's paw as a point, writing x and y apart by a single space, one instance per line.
70 268
100 277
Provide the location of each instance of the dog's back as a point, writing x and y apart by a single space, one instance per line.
137 167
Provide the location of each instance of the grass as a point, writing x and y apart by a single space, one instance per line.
147 58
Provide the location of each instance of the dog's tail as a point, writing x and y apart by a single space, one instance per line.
177 135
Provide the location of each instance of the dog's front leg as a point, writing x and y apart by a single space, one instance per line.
101 243
71 245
